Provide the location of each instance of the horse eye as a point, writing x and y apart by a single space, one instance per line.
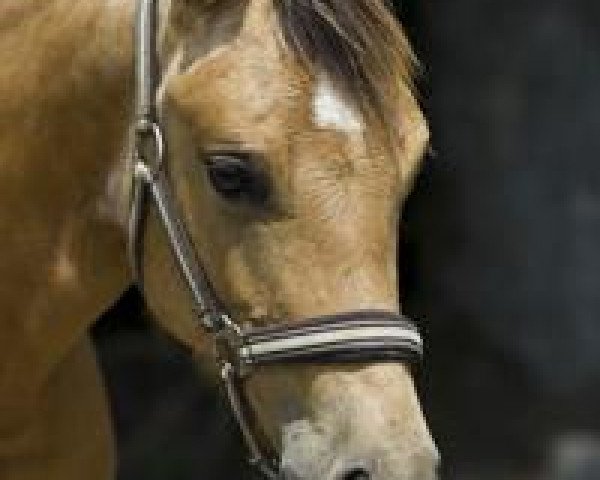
235 177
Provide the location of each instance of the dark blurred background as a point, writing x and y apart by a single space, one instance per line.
500 258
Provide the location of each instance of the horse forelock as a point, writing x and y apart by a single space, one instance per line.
358 44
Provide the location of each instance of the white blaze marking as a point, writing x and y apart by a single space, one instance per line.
330 110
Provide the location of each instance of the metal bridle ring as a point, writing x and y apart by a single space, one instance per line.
143 128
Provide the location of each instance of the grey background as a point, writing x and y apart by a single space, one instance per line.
501 261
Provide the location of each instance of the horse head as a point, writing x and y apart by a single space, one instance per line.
293 138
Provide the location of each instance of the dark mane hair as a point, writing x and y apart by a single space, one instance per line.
357 43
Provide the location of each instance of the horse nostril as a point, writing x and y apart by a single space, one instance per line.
355 473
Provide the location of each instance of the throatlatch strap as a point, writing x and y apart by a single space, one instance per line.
362 336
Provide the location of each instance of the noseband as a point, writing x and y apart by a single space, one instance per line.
362 336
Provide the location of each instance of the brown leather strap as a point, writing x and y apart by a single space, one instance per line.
361 336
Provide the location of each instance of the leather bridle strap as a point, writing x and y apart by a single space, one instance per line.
149 177
149 180
156 185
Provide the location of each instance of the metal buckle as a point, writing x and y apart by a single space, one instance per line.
229 341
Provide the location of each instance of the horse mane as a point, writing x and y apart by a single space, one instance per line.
359 44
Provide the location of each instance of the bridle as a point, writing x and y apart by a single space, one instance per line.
361 336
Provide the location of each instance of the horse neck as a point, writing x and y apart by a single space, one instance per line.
65 96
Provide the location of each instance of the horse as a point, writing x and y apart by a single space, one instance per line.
292 138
